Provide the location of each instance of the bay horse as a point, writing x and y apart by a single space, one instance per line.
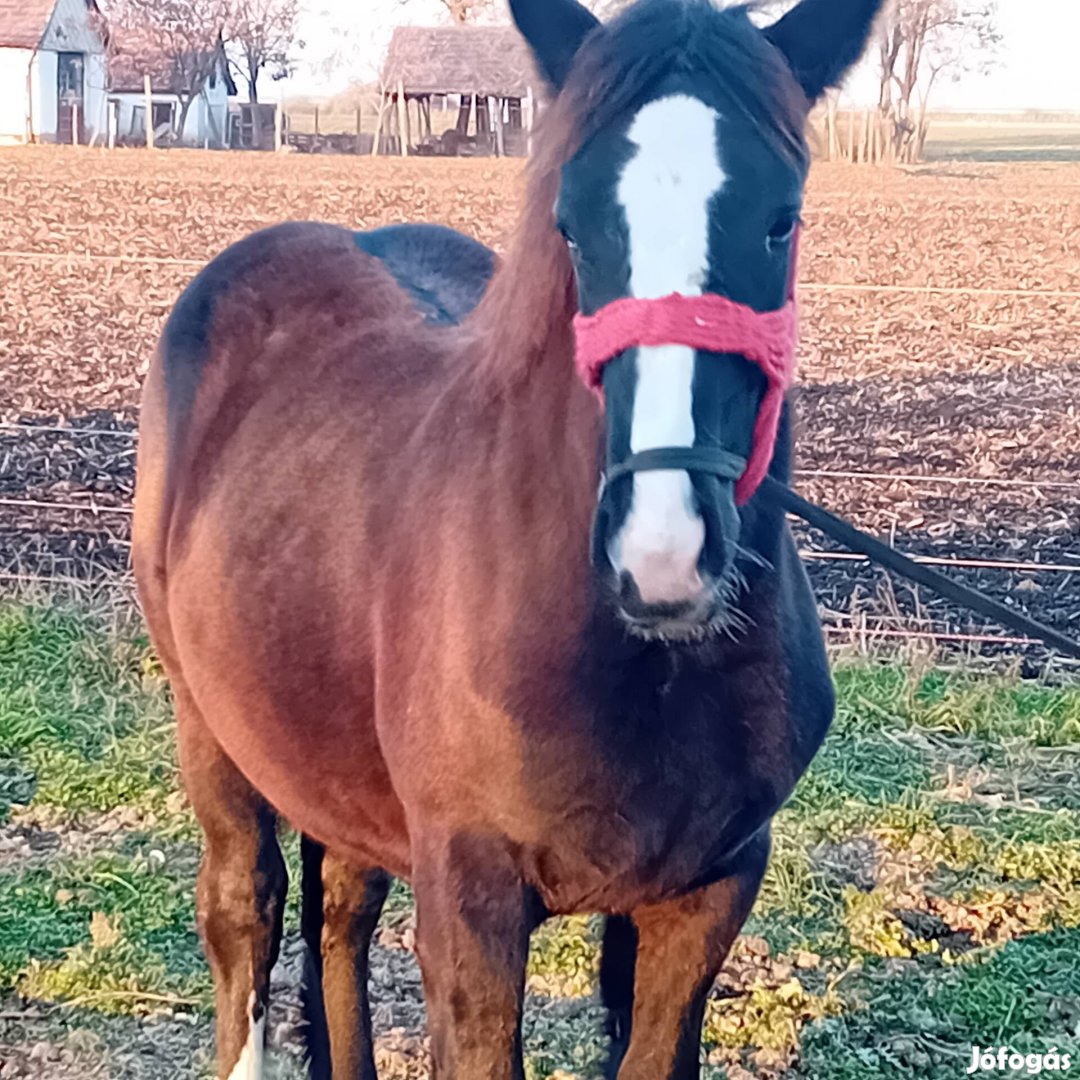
422 595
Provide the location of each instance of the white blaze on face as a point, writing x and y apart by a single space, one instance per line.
665 191
250 1064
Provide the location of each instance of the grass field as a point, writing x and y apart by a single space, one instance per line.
924 894
1003 140
925 889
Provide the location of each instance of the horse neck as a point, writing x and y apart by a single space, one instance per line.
524 322
521 341
537 427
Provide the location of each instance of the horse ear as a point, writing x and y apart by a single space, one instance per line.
554 30
823 38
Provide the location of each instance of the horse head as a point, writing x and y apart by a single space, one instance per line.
679 198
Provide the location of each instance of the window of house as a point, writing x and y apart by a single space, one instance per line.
163 114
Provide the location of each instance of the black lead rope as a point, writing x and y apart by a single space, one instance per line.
891 559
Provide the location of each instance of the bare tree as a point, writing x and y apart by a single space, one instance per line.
462 12
262 38
920 40
176 41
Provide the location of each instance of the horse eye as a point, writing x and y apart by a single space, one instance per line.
571 243
783 230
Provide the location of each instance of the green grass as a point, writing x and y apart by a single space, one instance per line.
923 895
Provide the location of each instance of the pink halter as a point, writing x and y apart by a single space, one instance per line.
712 323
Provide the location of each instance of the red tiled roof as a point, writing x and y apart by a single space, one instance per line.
23 22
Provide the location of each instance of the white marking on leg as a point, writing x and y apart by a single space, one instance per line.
665 191
249 1066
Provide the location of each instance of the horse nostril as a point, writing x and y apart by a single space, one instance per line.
628 591
632 602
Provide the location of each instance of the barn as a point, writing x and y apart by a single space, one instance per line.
52 71
485 71
207 120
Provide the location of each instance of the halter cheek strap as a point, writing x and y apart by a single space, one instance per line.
707 323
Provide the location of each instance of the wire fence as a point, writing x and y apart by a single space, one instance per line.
809 287
808 474
1011 565
859 629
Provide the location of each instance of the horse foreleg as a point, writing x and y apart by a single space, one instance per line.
472 938
681 946
240 895
341 909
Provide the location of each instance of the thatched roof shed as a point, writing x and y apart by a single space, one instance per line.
492 61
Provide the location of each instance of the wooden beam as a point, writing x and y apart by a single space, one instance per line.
495 108
403 119
148 97
528 118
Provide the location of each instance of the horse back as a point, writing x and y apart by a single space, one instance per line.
280 300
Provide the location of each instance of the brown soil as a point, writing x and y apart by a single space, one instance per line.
980 385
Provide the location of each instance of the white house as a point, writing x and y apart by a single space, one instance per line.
52 71
207 121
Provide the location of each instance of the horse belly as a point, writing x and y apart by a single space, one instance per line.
280 671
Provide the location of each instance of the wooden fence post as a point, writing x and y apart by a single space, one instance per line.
834 138
148 94
279 127
379 125
495 112
529 118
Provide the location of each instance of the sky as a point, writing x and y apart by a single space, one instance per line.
345 41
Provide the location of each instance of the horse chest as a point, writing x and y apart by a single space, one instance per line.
601 829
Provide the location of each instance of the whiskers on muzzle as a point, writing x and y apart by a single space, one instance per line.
717 613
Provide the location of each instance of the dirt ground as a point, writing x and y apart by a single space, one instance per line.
939 339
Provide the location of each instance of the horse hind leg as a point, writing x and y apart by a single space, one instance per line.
240 893
340 912
316 1033
617 961
681 946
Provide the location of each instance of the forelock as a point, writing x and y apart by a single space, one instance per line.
621 65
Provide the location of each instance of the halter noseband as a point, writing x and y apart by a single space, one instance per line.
709 323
